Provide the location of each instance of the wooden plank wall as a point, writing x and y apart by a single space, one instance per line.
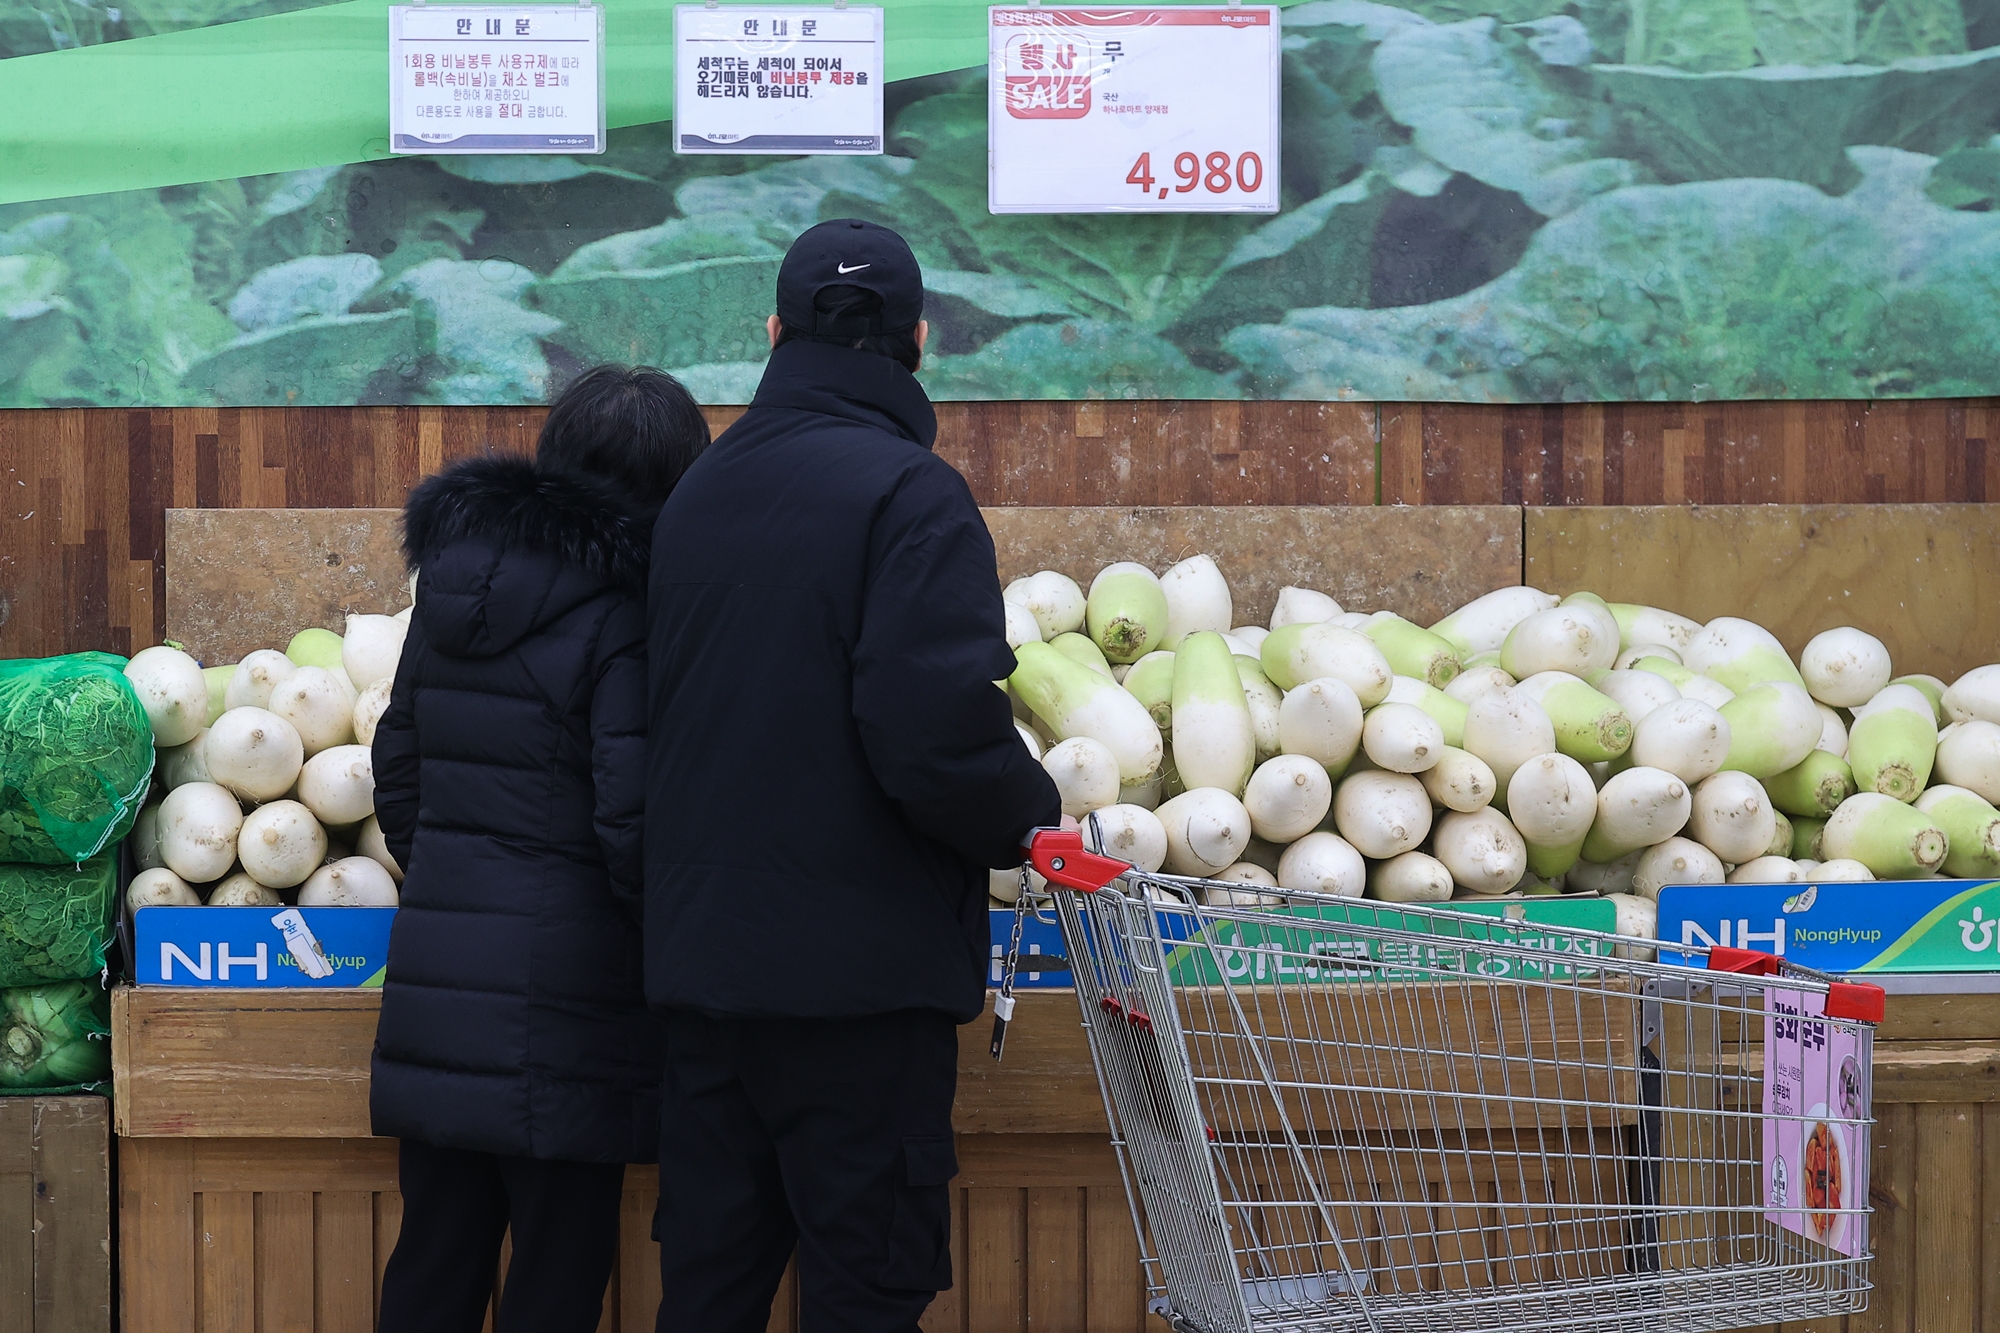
55 1215
83 492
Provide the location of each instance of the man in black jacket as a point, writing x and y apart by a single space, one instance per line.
831 772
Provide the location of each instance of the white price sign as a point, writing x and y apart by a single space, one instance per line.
778 79
1167 110
496 79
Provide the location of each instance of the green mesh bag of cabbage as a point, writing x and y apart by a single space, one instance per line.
56 921
76 755
55 1038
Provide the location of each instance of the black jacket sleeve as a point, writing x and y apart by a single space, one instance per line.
939 737
618 750
394 752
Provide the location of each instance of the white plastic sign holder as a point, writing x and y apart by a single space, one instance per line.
762 79
496 78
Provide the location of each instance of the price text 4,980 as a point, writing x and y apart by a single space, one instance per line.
1217 173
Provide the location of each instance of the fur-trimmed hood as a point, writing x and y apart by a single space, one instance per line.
504 548
511 502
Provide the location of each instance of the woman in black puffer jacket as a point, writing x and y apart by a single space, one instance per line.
516 1059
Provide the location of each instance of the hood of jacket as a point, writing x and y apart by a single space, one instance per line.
850 384
503 547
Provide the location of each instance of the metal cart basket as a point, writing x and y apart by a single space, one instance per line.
1338 1114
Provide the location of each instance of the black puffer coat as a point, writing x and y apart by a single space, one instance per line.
509 780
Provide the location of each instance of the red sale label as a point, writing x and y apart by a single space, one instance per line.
1047 77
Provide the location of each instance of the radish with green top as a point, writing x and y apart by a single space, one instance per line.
1840 871
256 676
1739 654
1321 720
1553 802
1483 623
1814 787
369 842
1287 798
1648 625
1076 701
1477 680
1772 727
239 890
1302 606
1214 742
1506 728
1844 667
1381 814
354 881
1412 650
1589 725
281 843
198 828
1448 712
1484 853
1401 738
1732 817
1894 840
1905 697
1130 833
1806 833
1151 682
1021 625
1126 612
1637 692
374 701
1410 877
1972 829
319 705
316 648
1299 653
1084 770
1969 757
1197 599
1832 732
254 753
1678 860
217 679
1973 697
159 887
1562 638
1460 780
1264 700
173 692
1207 830
1931 688
1686 738
1892 749
1635 810
1082 652
1781 840
1323 863
1053 599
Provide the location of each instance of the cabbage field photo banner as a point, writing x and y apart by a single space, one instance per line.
1483 200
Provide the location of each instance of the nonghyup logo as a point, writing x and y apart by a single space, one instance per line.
1978 934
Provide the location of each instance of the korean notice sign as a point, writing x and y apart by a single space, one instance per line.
493 79
1169 110
778 79
1816 1095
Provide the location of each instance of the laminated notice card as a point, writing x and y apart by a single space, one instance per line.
778 79
1816 1091
493 79
1168 110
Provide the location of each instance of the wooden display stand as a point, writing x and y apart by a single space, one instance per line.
55 1215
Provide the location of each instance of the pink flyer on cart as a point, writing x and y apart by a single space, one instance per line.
1815 1125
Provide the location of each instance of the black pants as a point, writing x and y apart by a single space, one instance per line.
457 1205
831 1135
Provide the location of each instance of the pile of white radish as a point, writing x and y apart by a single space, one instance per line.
265 789
1525 744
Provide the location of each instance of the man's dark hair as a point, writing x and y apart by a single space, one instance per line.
634 426
856 308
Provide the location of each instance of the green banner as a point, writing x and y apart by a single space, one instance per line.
1960 934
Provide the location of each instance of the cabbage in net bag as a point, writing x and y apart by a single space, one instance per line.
56 921
54 1038
76 754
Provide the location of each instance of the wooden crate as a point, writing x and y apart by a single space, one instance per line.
55 1215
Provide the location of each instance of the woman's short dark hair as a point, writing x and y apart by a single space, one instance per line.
859 306
634 426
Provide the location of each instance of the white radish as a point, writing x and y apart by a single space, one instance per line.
1215 743
1732 817
1635 810
1021 626
1678 860
1197 598
1840 871
1553 802
198 828
185 763
1506 728
1076 701
1713 693
1323 863
1264 700
1844 667
1931 688
1686 738
255 753
1648 625
1605 877
1908 698
1637 692
256 676
173 692
369 842
1462 781
159 887
371 648
1483 851
1131 833
280 844
146 838
1207 830
1638 919
1472 682
1894 840
1401 738
1974 696
240 890
1295 654
1004 886
1410 877
1254 635
1773 726
1968 756
1382 814
1483 623
1053 599
368 709
1832 732
319 705
1739 654
1255 880
1029 739
338 785
1767 870
1085 773
1631 657
354 881
1287 798
1302 606
1572 639
1321 720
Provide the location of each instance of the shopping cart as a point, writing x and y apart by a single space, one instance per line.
1339 1114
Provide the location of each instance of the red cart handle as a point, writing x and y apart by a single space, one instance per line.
1060 856
1746 962
1856 1001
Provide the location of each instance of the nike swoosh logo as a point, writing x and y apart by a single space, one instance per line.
842 268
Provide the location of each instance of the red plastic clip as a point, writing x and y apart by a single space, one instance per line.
1746 962
1856 1000
1061 858
1112 1007
1139 1021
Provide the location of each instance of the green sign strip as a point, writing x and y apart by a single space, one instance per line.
311 89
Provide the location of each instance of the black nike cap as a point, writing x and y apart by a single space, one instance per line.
850 253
